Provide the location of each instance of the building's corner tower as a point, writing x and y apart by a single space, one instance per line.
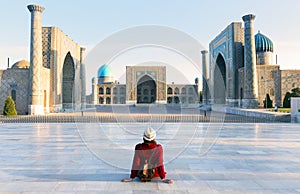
94 91
250 79
205 76
36 60
82 77
197 89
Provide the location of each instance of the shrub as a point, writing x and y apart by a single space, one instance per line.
288 95
9 107
296 92
287 100
268 103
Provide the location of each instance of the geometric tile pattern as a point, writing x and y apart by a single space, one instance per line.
39 85
17 80
250 85
228 44
61 46
46 33
36 55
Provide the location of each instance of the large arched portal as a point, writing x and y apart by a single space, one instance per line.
68 82
220 81
146 90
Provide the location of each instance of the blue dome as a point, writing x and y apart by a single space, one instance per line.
105 71
263 43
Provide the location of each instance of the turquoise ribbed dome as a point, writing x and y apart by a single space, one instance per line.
263 43
105 71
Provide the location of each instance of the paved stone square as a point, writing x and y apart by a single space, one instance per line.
201 158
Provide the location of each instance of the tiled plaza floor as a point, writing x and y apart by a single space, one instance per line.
201 158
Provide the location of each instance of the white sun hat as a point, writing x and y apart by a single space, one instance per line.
149 134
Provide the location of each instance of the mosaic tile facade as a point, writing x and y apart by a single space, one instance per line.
116 93
15 80
238 50
229 46
45 87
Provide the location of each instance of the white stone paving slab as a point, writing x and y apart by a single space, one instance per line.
201 158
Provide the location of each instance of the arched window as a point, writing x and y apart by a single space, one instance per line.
183 91
115 100
139 91
101 100
176 91
122 90
183 100
107 90
108 100
146 99
272 92
191 91
152 92
169 100
14 95
146 92
176 99
101 90
115 91
293 85
191 100
170 90
241 93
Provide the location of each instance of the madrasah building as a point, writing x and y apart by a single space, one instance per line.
53 80
241 72
237 71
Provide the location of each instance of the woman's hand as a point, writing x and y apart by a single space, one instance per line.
127 180
169 181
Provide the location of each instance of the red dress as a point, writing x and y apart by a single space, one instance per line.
153 151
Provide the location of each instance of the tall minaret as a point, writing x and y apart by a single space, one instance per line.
36 60
82 77
205 76
250 79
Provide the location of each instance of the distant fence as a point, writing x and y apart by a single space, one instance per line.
85 117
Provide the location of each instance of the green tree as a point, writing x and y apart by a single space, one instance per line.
296 92
268 103
9 107
287 100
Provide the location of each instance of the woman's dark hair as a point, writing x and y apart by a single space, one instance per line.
147 142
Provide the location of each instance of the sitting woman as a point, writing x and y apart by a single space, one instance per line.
148 160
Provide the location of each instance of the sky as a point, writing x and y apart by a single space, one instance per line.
89 22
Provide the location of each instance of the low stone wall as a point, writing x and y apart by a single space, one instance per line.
254 113
295 110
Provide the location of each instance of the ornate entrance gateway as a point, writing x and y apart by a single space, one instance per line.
146 90
220 81
68 82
